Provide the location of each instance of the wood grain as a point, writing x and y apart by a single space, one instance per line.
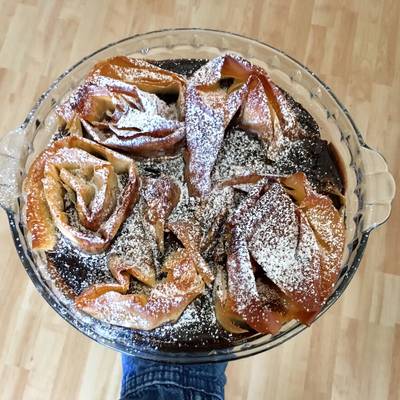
353 352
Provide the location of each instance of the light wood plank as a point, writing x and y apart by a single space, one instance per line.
353 352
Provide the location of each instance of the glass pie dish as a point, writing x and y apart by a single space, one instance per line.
369 186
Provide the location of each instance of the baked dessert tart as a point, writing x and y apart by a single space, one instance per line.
188 187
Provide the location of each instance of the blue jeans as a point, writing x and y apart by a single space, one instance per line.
148 380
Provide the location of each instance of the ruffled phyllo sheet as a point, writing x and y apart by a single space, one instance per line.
284 249
266 247
81 188
225 88
117 106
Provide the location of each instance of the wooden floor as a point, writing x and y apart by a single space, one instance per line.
353 352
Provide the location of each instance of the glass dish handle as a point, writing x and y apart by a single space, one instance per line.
13 148
380 189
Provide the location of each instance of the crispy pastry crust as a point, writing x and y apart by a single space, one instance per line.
297 237
117 107
165 303
210 108
76 166
281 246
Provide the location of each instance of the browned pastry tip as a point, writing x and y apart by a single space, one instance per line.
80 174
244 182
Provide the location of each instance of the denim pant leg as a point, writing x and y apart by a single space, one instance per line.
147 380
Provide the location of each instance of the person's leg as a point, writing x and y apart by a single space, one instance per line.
147 380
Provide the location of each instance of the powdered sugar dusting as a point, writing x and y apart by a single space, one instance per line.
194 319
77 269
135 244
284 245
241 154
284 251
